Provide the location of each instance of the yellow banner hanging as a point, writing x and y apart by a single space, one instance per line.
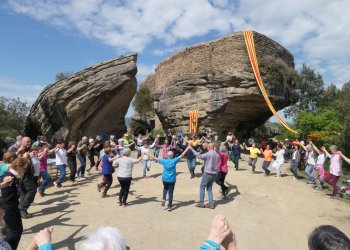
249 40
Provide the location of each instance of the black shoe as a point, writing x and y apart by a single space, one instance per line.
25 215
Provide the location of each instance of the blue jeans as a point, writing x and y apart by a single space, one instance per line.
146 164
294 168
156 152
265 166
46 180
168 188
235 160
191 164
82 160
206 183
62 169
308 170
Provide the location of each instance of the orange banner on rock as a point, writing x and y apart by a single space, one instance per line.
249 40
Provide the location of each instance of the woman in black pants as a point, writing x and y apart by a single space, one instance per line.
72 160
126 165
10 197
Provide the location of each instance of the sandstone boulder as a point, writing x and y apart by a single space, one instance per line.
216 78
90 102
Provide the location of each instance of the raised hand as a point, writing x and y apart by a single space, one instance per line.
44 236
220 229
7 181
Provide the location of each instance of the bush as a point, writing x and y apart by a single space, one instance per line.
143 102
62 76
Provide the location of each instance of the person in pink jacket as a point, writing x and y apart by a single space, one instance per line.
222 170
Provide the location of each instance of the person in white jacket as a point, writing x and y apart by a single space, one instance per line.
145 150
277 164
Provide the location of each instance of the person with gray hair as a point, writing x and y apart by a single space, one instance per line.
169 175
126 165
104 238
210 170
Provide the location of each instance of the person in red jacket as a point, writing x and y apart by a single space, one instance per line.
222 170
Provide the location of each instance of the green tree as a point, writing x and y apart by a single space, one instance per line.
342 103
13 114
328 96
309 88
143 102
324 120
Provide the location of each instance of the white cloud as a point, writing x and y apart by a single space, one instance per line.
144 70
130 25
315 30
26 92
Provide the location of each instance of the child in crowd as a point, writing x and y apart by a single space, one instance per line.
165 148
145 150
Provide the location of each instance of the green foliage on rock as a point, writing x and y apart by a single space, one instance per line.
62 76
143 101
13 114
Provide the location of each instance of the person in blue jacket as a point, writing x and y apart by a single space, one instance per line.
169 175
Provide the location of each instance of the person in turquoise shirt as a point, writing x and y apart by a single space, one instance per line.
169 175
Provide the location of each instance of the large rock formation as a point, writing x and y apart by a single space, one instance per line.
216 78
90 102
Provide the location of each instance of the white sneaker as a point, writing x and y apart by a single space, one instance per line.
82 178
55 183
294 178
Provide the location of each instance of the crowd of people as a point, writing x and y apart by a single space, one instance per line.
24 171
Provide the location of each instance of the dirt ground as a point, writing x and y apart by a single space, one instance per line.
265 212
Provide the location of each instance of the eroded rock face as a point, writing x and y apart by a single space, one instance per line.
89 102
216 78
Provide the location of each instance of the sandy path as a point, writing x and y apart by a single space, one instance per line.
266 212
